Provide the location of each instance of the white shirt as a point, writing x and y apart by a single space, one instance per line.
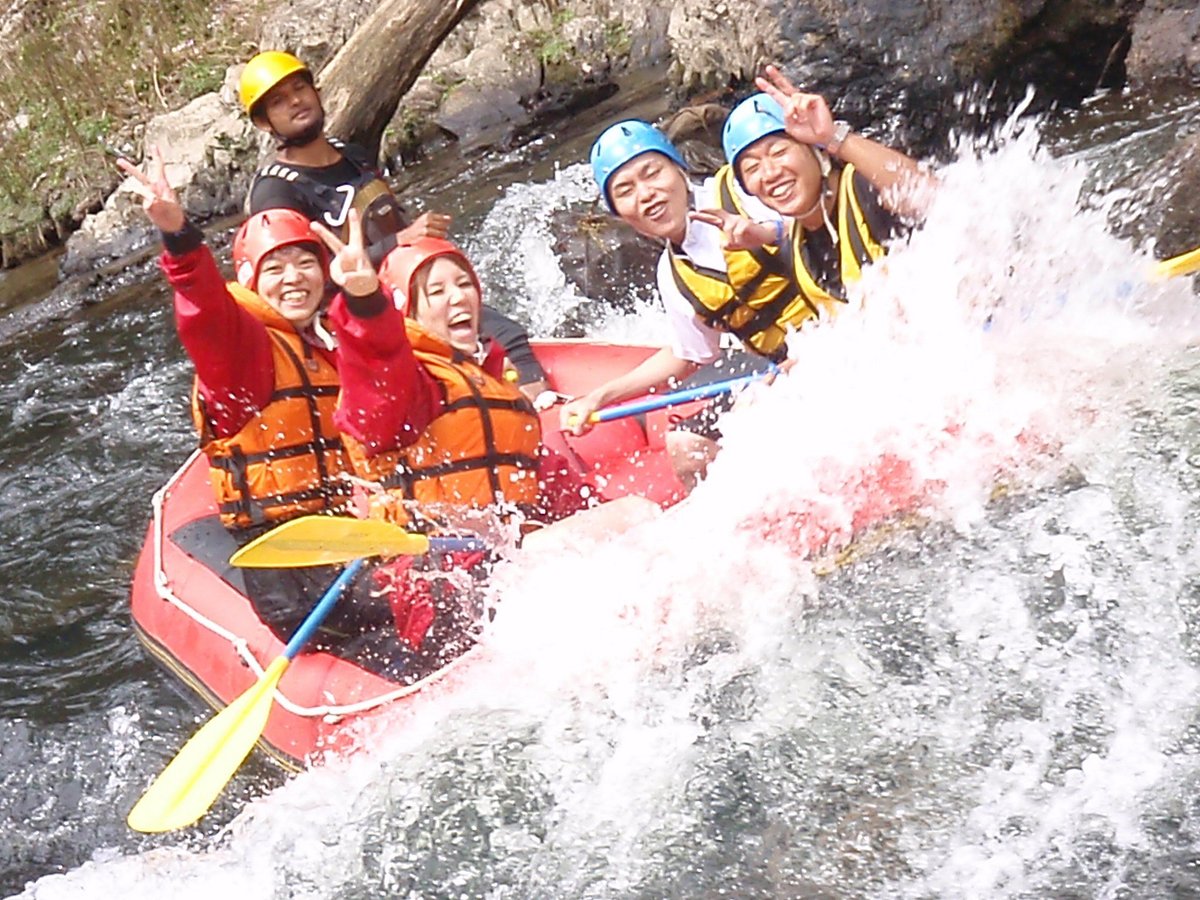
691 338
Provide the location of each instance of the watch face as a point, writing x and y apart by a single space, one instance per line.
840 132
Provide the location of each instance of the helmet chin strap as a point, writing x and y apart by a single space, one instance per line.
816 204
826 168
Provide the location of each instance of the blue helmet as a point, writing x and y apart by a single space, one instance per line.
752 119
622 142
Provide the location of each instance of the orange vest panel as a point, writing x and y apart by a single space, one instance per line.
288 458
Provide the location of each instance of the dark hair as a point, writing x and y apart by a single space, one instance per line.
311 246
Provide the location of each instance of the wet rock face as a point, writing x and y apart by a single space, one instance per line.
1172 220
604 258
716 41
696 133
900 66
312 29
893 68
1165 43
513 66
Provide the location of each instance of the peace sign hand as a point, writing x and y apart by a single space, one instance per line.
350 268
740 233
158 199
806 117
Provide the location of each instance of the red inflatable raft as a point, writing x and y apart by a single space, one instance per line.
189 612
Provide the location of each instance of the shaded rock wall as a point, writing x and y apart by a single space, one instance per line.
1165 43
898 69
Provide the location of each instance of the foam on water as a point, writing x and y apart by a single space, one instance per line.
993 704
513 251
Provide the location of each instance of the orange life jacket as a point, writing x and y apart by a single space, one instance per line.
287 459
482 449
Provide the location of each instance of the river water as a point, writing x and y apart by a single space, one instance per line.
992 696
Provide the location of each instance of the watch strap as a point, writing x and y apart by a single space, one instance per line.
841 131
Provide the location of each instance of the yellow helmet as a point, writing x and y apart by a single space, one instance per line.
265 71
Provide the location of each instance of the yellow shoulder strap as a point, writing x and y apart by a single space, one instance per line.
858 245
816 295
726 196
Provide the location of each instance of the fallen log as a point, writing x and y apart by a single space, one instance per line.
364 82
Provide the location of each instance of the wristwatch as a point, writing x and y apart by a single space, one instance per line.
841 130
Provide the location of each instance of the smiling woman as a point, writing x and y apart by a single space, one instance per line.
437 286
266 380
276 254
483 443
266 374
293 280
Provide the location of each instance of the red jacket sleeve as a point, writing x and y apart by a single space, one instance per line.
229 347
388 398
562 489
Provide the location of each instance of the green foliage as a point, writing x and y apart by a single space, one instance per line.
95 129
617 38
196 77
551 45
82 71
404 135
552 48
445 82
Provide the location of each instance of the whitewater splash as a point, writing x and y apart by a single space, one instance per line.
690 706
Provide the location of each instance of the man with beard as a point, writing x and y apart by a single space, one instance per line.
324 179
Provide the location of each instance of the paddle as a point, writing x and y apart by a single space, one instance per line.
325 540
191 782
1183 264
675 398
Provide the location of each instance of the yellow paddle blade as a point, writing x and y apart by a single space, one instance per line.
191 782
1183 264
325 540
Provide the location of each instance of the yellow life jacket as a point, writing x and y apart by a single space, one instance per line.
287 459
755 298
767 290
856 245
482 449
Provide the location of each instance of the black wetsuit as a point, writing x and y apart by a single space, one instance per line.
327 193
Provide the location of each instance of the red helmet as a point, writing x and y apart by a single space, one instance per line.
266 232
402 264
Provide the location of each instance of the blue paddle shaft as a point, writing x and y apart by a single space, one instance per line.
675 398
310 625
447 544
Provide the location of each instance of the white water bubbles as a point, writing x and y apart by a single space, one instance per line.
514 251
993 703
1067 687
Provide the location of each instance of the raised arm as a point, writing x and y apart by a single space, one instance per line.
904 188
228 346
656 371
387 397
